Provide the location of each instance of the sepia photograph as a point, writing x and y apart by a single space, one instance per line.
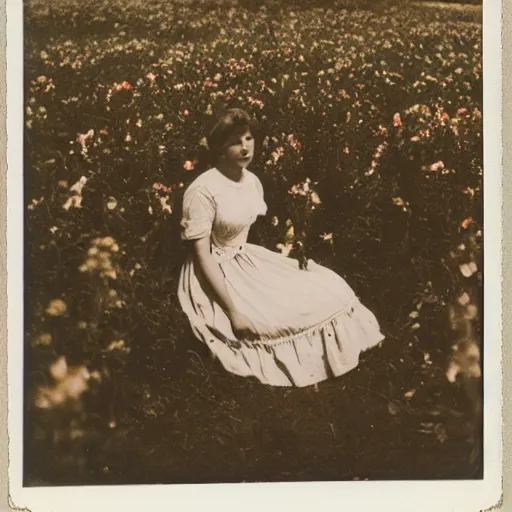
252 242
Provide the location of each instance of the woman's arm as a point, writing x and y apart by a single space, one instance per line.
243 328
213 274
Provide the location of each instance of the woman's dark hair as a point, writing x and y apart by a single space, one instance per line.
229 122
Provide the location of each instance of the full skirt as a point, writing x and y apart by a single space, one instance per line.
311 326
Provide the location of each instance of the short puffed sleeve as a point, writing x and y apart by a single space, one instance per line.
262 206
198 213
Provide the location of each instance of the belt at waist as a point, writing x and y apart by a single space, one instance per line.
223 254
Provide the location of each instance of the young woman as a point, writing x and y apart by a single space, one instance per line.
258 312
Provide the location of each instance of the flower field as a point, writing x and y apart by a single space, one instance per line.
371 160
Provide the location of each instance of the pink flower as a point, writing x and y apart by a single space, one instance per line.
189 165
126 86
462 111
466 223
397 120
157 187
186 112
294 143
437 166
84 137
151 76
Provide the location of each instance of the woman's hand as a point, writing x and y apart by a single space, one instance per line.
243 328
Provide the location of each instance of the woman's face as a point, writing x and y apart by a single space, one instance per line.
239 149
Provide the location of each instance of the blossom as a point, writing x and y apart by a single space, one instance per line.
437 166
464 299
70 383
444 116
293 142
57 307
466 223
468 269
189 165
44 339
76 383
315 198
159 187
111 203
84 137
397 120
107 241
452 372
151 76
59 369
118 345
166 207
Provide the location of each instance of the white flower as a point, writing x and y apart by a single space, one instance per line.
112 203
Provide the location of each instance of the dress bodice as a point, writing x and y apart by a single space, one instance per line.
222 208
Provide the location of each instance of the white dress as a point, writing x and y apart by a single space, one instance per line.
310 323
